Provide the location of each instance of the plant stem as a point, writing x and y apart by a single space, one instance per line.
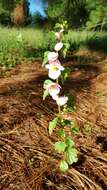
57 81
59 110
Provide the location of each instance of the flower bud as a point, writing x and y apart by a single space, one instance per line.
58 46
62 100
53 89
58 35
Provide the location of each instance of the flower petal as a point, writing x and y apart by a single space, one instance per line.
61 68
55 97
58 46
54 89
62 30
56 66
55 62
52 56
54 74
62 100
47 66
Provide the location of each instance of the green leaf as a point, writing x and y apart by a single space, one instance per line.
65 74
60 146
71 155
75 130
61 133
63 166
66 122
65 49
46 83
45 59
71 101
45 94
69 142
52 125
57 26
70 107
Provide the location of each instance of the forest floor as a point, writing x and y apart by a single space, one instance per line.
27 158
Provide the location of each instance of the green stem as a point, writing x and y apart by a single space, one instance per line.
57 81
59 108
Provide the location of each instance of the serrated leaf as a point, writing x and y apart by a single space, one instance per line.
46 83
60 146
63 166
45 94
45 59
69 142
71 155
52 125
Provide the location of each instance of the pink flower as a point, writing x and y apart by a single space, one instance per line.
52 56
54 70
53 89
61 100
55 62
58 46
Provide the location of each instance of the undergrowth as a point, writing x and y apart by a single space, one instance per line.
18 44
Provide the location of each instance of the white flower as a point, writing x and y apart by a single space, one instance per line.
53 89
52 56
58 46
61 100
55 97
58 35
62 30
54 70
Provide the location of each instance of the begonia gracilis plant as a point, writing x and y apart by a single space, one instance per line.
52 87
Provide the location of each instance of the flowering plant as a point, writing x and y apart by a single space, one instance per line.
65 145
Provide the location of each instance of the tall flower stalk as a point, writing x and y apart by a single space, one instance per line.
65 145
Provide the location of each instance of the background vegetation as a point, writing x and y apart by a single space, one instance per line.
79 13
27 36
27 158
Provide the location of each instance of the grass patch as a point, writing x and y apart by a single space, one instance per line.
16 45
87 39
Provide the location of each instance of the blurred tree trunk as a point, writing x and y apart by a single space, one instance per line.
18 17
20 13
14 11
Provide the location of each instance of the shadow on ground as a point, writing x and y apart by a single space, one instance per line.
27 158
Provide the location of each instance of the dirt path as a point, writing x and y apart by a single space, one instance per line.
27 158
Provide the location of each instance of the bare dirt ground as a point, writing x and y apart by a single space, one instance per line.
27 158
